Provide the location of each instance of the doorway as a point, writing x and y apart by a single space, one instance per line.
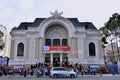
56 60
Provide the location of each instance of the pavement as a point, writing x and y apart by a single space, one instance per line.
102 75
34 76
80 77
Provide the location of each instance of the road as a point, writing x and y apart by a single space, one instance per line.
78 78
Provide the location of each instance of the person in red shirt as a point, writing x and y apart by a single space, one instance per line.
48 65
64 65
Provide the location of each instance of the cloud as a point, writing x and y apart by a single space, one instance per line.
6 13
13 12
18 19
11 7
26 5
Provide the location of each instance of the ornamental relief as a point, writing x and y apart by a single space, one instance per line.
55 32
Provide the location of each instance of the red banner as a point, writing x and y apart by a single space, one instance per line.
60 48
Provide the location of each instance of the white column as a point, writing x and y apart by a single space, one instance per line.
32 48
61 55
51 59
44 58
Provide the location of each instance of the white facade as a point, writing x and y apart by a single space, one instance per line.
34 35
7 40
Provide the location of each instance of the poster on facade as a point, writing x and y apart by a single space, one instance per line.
3 61
118 66
18 69
60 48
46 48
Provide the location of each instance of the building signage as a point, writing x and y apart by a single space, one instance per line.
46 48
60 48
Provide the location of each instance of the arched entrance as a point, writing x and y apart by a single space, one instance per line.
56 59
56 38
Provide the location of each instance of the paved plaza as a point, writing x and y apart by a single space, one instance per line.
85 77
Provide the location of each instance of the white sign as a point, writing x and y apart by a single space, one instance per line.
46 48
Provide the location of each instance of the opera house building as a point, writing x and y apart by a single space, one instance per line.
54 40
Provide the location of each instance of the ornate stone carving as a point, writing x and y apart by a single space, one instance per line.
56 31
56 13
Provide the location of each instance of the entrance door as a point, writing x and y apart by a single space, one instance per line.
65 59
47 59
56 59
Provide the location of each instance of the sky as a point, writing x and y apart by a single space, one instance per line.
13 12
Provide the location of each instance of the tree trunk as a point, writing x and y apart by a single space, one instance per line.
117 47
112 51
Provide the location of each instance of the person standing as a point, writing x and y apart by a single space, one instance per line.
82 72
113 72
80 67
4 72
46 72
48 65
48 69
94 71
25 72
31 72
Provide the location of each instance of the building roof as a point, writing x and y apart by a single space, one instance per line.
74 21
88 25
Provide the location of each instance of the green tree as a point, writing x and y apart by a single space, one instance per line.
106 35
14 28
103 40
113 27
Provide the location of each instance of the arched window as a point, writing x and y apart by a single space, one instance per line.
20 49
92 49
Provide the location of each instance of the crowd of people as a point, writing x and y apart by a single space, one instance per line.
29 70
9 71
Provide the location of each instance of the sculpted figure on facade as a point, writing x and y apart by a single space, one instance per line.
56 13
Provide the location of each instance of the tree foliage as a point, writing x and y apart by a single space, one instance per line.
104 35
112 26
14 28
112 29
